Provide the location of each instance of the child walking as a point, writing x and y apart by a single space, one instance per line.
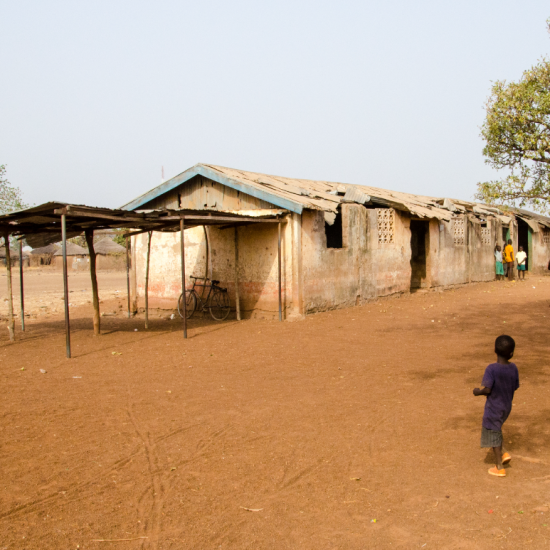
499 268
521 257
500 381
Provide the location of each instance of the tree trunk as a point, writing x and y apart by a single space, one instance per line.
95 295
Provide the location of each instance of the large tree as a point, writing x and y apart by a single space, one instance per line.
517 135
10 196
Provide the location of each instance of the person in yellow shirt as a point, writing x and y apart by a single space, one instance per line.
509 260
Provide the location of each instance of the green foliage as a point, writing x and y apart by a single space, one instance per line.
118 238
517 135
10 196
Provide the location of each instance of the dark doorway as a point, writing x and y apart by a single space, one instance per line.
334 232
419 252
523 240
505 236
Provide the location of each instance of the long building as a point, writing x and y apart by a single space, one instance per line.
342 244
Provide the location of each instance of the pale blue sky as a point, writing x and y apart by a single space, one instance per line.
95 97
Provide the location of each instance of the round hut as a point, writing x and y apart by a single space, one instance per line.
110 255
43 255
14 256
77 257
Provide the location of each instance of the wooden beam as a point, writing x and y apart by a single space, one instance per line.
237 296
21 287
96 215
279 271
95 294
66 286
182 245
150 234
11 322
128 275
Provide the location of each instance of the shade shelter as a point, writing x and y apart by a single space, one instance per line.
54 221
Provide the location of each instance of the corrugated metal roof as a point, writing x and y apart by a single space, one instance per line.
297 194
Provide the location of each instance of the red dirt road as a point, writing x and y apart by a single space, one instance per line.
266 435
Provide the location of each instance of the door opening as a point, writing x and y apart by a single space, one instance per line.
524 240
420 246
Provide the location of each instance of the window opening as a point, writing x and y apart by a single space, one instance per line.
334 233
485 234
546 236
458 231
386 218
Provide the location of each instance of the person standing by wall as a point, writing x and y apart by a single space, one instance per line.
499 269
522 263
509 259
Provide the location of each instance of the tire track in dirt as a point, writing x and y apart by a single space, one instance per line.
34 505
160 486
151 524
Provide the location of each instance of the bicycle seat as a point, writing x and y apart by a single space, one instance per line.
215 282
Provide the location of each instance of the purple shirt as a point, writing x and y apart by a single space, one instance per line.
503 381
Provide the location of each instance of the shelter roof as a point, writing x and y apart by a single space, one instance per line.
298 194
41 225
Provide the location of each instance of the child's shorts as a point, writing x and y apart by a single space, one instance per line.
490 438
521 267
499 268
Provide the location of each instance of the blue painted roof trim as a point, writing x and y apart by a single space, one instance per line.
214 175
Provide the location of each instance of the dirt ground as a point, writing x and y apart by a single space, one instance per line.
351 429
43 290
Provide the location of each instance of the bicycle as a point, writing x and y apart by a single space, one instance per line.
216 301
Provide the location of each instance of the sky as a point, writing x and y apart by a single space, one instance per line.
96 97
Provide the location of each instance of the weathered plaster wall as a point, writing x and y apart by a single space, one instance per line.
470 261
385 266
541 252
258 268
332 275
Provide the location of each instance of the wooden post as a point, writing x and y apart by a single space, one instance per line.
149 235
128 275
11 322
237 296
95 295
21 292
279 271
182 244
66 285
133 276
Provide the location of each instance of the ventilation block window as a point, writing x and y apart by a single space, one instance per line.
386 218
485 234
546 236
458 231
334 232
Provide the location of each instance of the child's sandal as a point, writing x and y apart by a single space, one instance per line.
494 471
506 457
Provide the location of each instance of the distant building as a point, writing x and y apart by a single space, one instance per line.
14 256
77 257
43 255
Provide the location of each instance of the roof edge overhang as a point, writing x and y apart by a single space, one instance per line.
207 172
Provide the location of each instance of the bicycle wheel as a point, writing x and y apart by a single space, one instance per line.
219 305
190 304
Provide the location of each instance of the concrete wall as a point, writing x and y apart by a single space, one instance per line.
373 261
258 267
369 265
541 252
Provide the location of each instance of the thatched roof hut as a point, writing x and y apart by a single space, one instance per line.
50 249
107 246
73 250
